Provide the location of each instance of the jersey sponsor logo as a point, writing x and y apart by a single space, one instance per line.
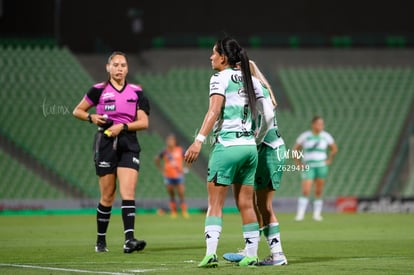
214 86
104 164
135 160
242 93
315 145
107 95
110 107
236 78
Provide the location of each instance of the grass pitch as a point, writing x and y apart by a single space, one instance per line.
341 244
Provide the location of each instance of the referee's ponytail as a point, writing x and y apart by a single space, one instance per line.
237 57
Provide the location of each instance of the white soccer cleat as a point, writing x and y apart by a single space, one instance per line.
317 218
275 259
299 218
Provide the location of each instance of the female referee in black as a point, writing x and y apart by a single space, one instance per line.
121 110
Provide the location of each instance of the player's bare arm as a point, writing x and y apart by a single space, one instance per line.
81 112
214 110
333 149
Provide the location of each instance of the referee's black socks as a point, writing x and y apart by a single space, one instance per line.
128 217
103 214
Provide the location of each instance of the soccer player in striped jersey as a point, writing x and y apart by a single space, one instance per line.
121 110
235 97
315 145
268 176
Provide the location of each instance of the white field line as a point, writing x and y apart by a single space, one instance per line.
74 270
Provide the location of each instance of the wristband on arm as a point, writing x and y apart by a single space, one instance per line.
200 138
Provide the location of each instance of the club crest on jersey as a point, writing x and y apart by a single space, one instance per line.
110 107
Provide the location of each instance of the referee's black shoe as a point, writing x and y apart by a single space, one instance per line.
132 245
101 247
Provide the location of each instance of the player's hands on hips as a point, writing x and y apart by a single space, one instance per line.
192 152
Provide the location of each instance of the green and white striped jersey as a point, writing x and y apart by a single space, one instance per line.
315 147
234 125
272 138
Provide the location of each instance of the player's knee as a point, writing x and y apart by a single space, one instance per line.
244 205
107 199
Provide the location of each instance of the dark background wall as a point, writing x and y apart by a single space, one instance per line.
86 25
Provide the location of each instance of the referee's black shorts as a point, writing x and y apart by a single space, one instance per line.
121 151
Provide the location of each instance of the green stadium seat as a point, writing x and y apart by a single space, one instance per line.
363 108
19 182
53 82
365 131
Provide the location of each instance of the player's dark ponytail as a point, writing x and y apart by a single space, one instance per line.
237 56
247 81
